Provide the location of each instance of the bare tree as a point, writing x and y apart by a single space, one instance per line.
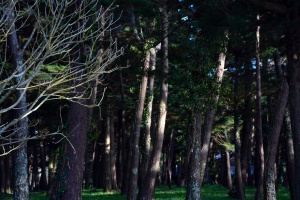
35 35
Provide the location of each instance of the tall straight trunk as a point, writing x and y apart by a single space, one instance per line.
273 141
43 180
113 155
147 137
35 182
147 190
134 146
193 180
293 71
21 188
170 150
259 135
8 175
246 132
210 114
228 173
74 158
240 185
68 183
290 154
122 150
53 152
108 182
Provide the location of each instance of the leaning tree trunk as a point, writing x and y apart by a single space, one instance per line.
194 180
147 190
273 141
259 135
210 117
293 71
21 189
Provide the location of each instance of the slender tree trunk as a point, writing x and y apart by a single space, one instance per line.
147 190
108 181
290 154
43 180
8 175
21 188
246 132
170 150
259 135
240 187
113 155
228 173
210 118
193 179
183 169
123 136
35 183
134 148
147 138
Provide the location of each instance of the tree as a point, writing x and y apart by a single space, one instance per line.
48 36
147 189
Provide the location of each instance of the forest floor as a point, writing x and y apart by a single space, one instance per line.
209 192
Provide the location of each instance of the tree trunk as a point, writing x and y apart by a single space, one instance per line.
290 154
147 138
43 180
108 181
293 72
240 187
113 155
228 173
210 118
21 188
123 137
170 150
273 141
134 146
147 190
259 135
193 179
8 175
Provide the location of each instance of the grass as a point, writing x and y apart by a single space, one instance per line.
209 192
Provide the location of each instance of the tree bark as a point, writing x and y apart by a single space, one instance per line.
259 134
147 138
228 173
21 188
108 181
210 117
43 180
273 141
147 190
194 179
240 187
113 154
290 154
134 146
170 150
